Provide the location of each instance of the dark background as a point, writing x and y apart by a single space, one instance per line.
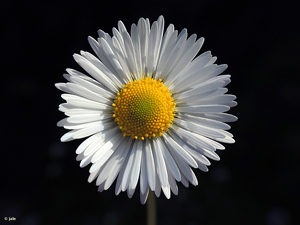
257 179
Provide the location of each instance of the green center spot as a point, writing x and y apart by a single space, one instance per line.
145 106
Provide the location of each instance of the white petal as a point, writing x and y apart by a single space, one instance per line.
96 62
98 49
143 177
64 107
85 103
81 148
172 183
166 52
192 151
127 172
143 38
167 192
95 145
95 46
185 181
168 42
113 61
203 109
122 59
63 87
62 122
192 68
176 149
218 100
211 61
96 166
130 191
194 139
130 53
87 131
95 72
87 159
190 53
182 165
231 104
201 160
224 117
119 37
101 187
87 118
86 93
74 73
93 176
198 78
151 48
105 35
107 149
190 100
194 77
170 163
137 163
118 167
137 47
173 58
227 139
68 125
210 154
158 187
121 27
150 165
160 163
214 144
155 39
193 180
121 174
157 48
197 144
205 122
78 111
68 136
111 164
144 196
202 167
199 129
205 87
79 157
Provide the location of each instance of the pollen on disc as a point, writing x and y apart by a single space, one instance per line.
144 108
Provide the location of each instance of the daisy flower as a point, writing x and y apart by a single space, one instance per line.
150 109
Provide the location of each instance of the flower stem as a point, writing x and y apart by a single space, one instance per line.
151 209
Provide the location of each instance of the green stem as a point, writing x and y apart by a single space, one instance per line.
151 209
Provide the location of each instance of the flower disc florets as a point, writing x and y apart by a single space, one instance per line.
144 108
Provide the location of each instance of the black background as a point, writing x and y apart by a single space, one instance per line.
257 179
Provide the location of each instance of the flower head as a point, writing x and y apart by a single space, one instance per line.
150 108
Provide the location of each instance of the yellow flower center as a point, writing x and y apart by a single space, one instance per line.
144 108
